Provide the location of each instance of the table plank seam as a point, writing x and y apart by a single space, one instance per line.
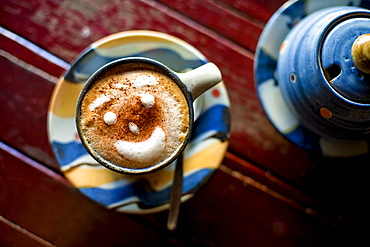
33 163
34 48
25 232
28 67
262 187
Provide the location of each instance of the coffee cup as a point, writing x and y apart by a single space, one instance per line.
135 115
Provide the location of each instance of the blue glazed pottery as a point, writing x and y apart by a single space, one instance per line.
318 79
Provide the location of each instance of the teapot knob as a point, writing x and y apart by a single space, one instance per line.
361 53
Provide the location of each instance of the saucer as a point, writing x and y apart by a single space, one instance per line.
265 69
130 193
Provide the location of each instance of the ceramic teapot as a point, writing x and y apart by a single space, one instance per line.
323 71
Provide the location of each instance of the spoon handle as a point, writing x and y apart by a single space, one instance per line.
176 193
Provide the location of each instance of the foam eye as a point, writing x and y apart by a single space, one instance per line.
110 118
147 100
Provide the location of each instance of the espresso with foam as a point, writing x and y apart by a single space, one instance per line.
134 118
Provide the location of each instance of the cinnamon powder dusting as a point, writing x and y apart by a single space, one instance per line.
169 112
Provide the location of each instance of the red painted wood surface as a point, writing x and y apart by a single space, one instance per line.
17 90
267 192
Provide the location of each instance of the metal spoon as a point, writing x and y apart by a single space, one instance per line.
176 193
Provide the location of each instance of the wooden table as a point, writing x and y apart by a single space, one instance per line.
267 191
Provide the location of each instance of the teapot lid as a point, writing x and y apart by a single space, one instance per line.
340 65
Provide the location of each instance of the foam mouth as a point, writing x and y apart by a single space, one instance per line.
143 151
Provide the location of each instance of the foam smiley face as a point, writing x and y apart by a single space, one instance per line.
135 118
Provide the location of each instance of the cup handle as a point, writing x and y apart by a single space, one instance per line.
200 79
